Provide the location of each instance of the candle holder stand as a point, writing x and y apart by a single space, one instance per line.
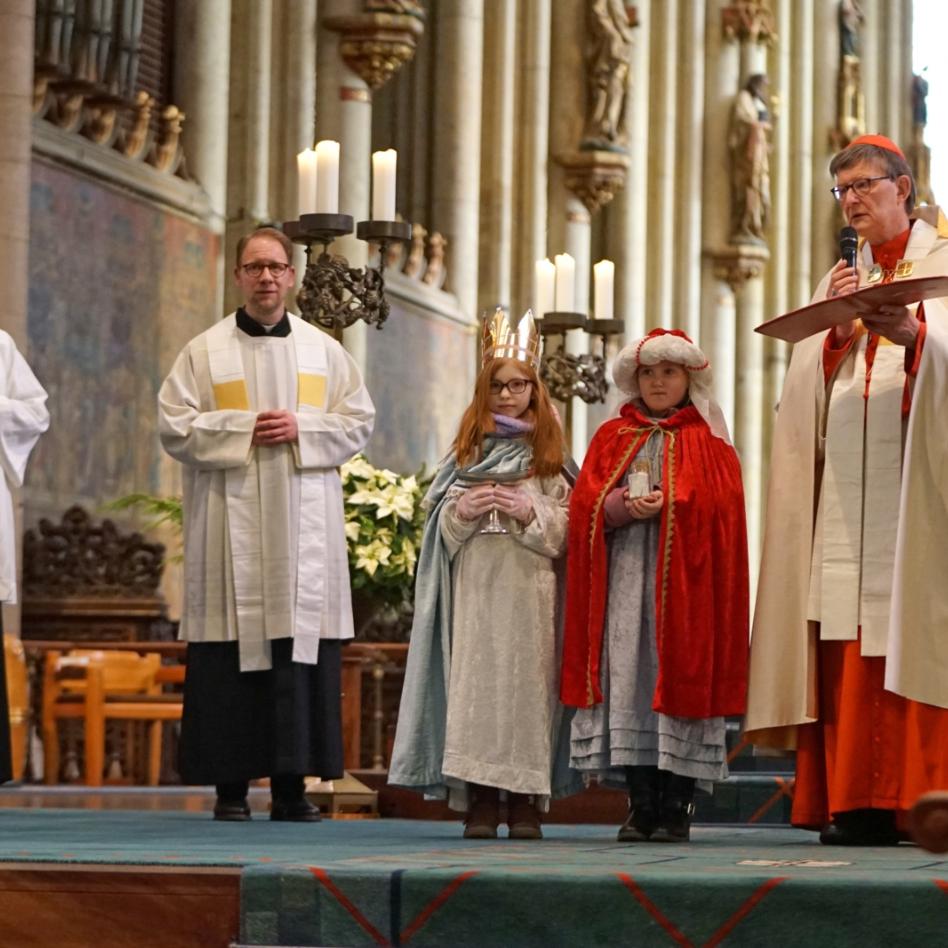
580 375
333 294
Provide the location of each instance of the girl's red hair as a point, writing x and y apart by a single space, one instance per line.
546 439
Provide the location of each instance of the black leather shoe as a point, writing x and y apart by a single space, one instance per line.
294 811
643 805
676 809
861 828
233 811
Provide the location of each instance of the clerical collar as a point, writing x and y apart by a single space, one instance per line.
251 327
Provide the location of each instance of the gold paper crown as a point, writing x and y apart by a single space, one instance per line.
502 342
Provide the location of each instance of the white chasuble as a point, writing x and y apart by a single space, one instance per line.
265 553
23 418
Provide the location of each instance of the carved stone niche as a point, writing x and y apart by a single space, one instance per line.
376 45
595 176
84 581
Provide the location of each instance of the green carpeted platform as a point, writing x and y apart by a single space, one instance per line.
418 883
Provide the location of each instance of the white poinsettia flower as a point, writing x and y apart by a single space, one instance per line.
352 530
367 497
358 467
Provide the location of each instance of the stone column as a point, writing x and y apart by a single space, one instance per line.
718 332
201 76
627 239
663 195
457 150
497 163
802 155
689 192
16 109
826 219
344 113
248 145
533 146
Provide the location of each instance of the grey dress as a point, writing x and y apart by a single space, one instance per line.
623 730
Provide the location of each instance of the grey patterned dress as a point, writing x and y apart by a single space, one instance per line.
624 730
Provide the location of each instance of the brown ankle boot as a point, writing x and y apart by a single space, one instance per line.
522 817
484 814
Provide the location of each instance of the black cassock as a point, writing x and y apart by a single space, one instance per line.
243 725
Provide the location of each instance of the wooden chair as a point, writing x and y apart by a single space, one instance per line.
102 686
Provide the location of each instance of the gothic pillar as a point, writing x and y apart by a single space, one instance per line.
16 109
457 150
248 144
497 163
533 143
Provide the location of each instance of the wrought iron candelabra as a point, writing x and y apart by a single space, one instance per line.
333 294
581 375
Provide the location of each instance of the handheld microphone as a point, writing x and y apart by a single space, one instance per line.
848 242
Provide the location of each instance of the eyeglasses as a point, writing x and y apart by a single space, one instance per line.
861 186
514 386
255 269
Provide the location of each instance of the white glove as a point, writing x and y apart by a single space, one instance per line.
475 501
515 502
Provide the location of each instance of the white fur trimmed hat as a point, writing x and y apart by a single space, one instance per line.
672 345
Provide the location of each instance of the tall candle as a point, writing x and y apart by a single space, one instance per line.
327 177
306 181
383 184
545 275
565 283
604 274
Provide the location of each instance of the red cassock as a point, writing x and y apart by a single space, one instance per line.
701 583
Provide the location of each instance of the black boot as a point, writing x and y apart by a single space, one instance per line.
677 805
643 805
861 828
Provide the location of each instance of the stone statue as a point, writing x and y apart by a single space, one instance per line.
608 71
919 95
750 162
851 19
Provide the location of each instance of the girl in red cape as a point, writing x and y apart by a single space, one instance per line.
656 637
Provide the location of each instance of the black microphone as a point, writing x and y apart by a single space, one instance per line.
848 242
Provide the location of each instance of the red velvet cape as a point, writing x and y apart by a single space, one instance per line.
701 592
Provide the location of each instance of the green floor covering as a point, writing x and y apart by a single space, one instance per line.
417 883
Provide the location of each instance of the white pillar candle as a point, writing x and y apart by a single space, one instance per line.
327 177
383 184
565 283
604 274
544 289
306 181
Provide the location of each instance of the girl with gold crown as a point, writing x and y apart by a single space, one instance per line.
479 710
655 648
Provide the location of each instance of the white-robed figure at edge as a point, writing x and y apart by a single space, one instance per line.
479 711
261 410
23 418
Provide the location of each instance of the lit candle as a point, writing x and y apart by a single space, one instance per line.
603 291
565 283
383 184
306 181
545 275
327 177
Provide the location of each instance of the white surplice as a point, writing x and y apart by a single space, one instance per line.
23 418
264 540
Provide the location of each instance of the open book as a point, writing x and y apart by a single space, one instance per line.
803 322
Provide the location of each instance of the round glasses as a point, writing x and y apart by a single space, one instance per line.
860 187
255 269
514 386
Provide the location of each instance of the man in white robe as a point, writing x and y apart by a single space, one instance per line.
23 418
261 410
848 658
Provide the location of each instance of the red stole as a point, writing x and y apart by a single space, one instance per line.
701 591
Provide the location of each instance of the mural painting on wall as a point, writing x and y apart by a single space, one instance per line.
116 286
